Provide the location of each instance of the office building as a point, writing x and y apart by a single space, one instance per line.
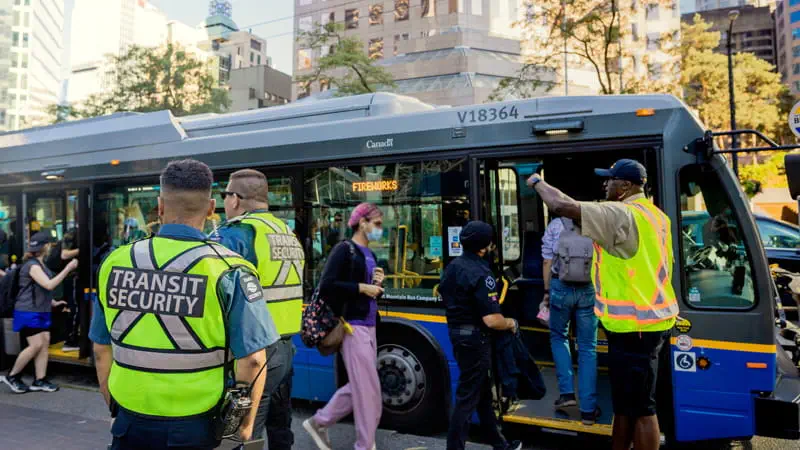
31 47
753 30
787 29
259 87
452 52
234 48
124 23
710 5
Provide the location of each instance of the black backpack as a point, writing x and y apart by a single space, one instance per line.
9 289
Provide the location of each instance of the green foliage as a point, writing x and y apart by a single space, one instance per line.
346 66
770 173
152 79
589 32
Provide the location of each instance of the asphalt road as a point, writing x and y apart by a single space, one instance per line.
75 418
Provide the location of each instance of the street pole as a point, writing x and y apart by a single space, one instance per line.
733 15
564 32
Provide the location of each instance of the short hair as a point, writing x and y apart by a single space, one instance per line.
186 188
187 175
250 184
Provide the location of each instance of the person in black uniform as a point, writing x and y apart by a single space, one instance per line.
470 294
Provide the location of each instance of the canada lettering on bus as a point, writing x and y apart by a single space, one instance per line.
156 292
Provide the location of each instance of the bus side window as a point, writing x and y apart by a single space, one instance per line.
716 266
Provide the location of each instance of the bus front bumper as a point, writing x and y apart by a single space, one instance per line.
778 415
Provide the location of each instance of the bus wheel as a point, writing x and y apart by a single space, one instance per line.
412 383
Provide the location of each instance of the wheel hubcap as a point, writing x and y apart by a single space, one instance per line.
402 377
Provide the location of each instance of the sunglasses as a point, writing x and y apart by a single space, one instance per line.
225 194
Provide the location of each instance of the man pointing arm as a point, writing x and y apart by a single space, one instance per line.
635 301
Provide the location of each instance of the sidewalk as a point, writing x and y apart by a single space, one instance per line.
77 419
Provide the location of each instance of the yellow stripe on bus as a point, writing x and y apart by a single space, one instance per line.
726 345
560 424
417 317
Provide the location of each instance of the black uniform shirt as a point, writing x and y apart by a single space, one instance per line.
469 291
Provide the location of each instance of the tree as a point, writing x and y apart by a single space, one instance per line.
597 34
346 66
152 79
762 101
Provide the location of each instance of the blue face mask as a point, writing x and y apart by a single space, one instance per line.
375 235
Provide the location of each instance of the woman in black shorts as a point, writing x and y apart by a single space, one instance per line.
32 311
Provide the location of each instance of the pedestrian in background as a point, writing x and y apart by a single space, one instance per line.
568 291
470 294
351 282
33 314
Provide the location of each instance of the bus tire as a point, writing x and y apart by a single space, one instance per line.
413 380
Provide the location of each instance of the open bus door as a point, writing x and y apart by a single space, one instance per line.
729 377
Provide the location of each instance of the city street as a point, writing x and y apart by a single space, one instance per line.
75 418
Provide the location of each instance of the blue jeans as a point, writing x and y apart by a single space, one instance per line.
564 300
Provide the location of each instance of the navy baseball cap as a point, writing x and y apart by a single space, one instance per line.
625 169
476 235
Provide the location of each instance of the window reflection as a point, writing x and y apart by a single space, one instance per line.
718 272
419 201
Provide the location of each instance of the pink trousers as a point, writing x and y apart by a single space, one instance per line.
362 395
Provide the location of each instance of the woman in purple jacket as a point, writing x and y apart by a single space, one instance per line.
351 281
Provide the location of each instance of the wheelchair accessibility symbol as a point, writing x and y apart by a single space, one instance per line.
685 361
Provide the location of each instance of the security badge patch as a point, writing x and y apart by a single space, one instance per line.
251 287
491 284
151 291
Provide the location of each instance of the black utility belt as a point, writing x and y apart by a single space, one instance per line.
468 330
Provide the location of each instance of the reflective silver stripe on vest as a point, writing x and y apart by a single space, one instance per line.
283 273
279 293
158 361
631 311
180 334
173 326
125 319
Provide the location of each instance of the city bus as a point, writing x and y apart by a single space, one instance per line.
431 170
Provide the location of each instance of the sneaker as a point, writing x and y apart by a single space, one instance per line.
318 433
70 348
44 385
514 445
589 418
15 383
565 401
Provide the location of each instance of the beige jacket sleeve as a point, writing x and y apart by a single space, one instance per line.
611 225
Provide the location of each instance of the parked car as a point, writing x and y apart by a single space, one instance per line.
781 239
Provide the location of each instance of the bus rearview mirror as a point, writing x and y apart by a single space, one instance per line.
792 161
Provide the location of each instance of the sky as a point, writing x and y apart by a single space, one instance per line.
280 40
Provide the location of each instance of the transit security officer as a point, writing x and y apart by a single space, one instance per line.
470 294
167 306
635 301
269 245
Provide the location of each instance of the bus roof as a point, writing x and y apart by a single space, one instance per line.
374 121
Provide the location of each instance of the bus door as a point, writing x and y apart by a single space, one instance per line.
722 353
58 214
11 251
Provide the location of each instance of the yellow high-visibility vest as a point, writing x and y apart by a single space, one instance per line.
168 339
636 294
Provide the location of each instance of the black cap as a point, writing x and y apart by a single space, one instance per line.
476 235
625 169
38 241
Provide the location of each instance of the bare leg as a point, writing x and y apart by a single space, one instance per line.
622 434
26 355
40 363
647 435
